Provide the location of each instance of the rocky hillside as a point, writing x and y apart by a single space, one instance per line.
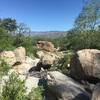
80 82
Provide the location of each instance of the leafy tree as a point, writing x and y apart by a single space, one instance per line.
19 40
83 40
89 18
6 40
8 24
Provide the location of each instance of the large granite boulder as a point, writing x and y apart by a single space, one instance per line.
45 45
47 57
86 65
20 54
9 57
65 88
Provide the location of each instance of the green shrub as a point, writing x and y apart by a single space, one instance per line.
27 43
36 94
62 64
4 68
14 89
6 40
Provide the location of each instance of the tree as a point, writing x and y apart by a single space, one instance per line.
8 24
89 18
6 40
23 28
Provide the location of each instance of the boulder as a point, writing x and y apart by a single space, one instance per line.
24 67
65 88
45 45
30 61
47 57
96 92
9 57
20 54
86 65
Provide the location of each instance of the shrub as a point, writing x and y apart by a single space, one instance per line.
36 94
4 68
6 40
62 64
27 42
14 89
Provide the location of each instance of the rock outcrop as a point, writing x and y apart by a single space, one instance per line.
20 54
9 57
45 45
12 57
65 88
47 54
86 65
25 66
47 57
18 60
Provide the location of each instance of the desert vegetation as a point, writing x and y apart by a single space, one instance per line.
84 35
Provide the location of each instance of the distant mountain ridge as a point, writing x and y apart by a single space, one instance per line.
48 33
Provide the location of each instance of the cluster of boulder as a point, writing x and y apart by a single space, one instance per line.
84 72
18 60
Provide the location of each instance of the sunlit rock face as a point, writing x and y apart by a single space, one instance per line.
45 45
86 65
20 54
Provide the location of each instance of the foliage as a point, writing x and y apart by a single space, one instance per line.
77 40
27 42
36 94
14 89
4 68
6 40
8 24
62 64
19 40
89 18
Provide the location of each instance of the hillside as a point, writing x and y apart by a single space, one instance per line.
48 34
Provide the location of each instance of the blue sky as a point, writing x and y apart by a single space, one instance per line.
42 15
